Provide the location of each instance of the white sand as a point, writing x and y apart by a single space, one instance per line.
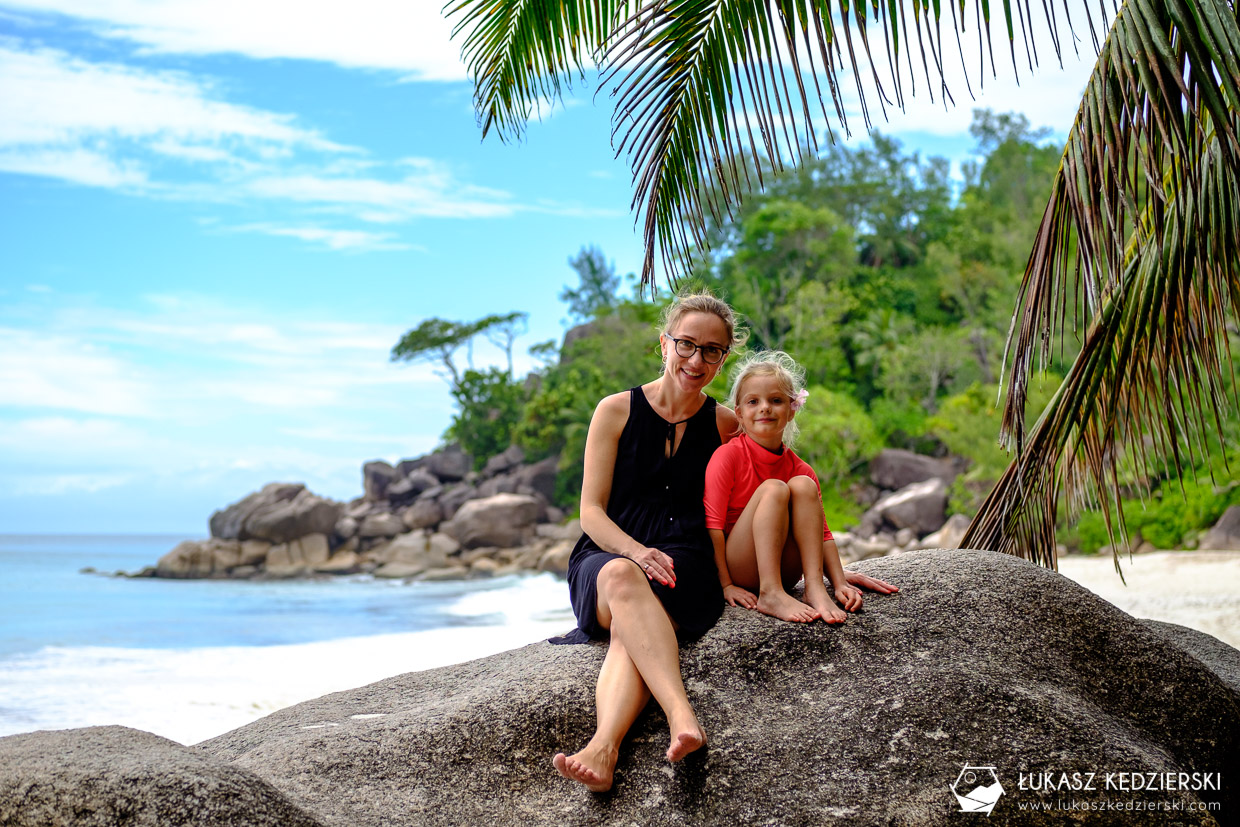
1198 589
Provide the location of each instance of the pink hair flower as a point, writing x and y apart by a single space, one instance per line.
798 401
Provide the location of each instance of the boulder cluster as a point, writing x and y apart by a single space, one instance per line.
430 518
907 507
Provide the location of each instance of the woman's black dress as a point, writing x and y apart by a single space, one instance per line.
656 500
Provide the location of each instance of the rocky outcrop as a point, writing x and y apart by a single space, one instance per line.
504 520
980 659
434 504
920 507
280 512
107 776
906 499
1225 534
893 469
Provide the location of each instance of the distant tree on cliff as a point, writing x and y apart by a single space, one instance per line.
595 294
438 340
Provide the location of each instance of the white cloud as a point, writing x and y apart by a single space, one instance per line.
409 38
429 190
350 240
170 135
52 98
67 373
74 165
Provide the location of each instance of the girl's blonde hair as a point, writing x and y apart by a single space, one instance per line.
775 363
702 301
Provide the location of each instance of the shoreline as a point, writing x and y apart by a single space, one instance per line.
1197 589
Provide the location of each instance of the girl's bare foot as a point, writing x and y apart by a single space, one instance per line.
784 606
827 608
593 767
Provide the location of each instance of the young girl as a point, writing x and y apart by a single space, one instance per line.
764 505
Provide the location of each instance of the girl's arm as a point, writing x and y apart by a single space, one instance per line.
847 594
602 444
735 595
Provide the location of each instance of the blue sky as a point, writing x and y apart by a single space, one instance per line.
217 218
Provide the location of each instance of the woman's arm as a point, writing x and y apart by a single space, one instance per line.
602 444
728 424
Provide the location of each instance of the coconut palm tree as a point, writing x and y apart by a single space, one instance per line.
1138 250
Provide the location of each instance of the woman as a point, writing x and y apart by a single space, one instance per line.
644 568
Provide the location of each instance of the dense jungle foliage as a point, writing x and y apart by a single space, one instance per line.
894 291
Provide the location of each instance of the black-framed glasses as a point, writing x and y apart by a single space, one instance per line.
711 354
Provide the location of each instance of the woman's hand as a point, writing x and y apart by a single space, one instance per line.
657 565
736 596
856 578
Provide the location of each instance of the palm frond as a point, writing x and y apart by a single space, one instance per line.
1140 243
710 89
522 52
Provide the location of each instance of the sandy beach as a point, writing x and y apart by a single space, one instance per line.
1198 589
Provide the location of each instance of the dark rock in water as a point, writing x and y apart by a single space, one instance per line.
109 776
982 659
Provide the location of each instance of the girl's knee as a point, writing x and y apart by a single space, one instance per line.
803 486
772 488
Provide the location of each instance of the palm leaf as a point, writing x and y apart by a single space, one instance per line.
1140 240
712 89
523 52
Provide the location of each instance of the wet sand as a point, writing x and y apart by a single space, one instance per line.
1198 589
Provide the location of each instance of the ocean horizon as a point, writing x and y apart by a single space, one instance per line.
192 659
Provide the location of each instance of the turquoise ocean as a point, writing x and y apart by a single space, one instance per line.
191 659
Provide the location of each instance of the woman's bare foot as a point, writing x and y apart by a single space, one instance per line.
685 741
827 608
593 767
784 606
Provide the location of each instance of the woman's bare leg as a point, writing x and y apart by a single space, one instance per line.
806 510
643 632
755 552
619 697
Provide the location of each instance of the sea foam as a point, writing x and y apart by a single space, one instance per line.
189 695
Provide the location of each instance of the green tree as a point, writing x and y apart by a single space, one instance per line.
439 340
1140 238
595 294
489 405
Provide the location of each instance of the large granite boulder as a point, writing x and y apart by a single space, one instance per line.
298 557
106 776
504 521
1225 534
377 477
450 464
981 659
213 557
894 468
504 461
280 512
539 478
920 506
